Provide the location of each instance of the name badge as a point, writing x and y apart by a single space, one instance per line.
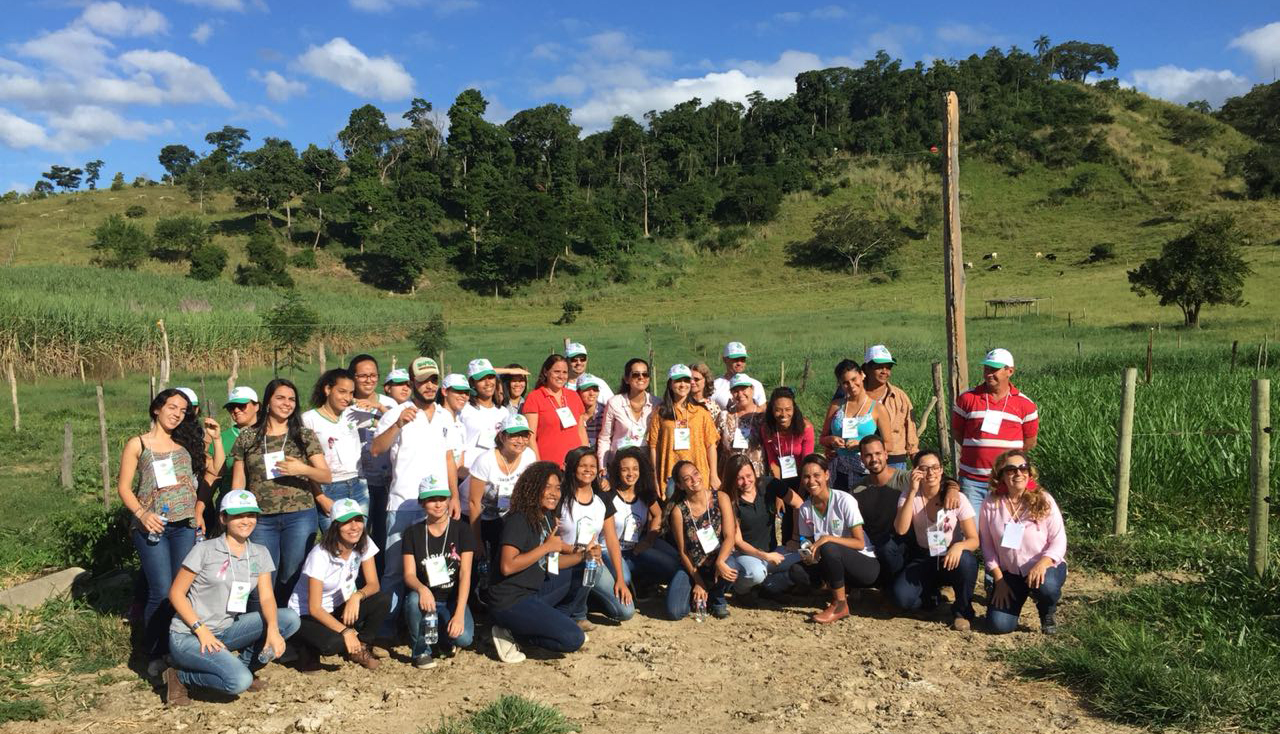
566 417
630 529
165 475
238 601
487 439
991 422
586 532
788 466
741 437
437 571
269 460
849 428
504 500
937 536
553 563
631 439
1012 537
349 580
681 441
708 539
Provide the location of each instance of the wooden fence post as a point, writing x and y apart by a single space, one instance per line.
68 456
13 395
1235 346
235 370
804 376
106 457
1124 449
940 405
1151 335
164 364
1260 477
323 359
782 373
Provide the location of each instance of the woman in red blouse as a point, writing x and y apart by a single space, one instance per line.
555 415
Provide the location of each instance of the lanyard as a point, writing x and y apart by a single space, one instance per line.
444 539
987 398
791 446
1008 508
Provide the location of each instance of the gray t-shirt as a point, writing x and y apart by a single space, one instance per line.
901 481
216 571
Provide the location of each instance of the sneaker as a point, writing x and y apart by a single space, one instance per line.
720 611
424 662
258 684
176 693
364 658
960 624
1048 624
505 645
585 626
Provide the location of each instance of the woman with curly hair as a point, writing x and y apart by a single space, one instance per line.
530 595
1024 543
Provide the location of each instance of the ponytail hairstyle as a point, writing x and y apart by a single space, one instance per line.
680 494
946 483
814 458
1036 499
189 434
328 380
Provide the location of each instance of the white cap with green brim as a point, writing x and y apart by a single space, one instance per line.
345 509
398 376
478 368
735 350
575 350
190 395
679 372
455 381
239 502
515 424
998 358
741 380
431 487
588 381
242 395
878 354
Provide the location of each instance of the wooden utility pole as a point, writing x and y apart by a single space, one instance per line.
1260 476
106 457
1124 448
235 370
953 256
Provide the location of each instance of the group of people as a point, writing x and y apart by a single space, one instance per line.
410 510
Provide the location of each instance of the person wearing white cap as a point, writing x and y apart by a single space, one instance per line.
590 388
455 391
398 386
735 362
481 417
214 641
340 614
368 405
577 355
494 474
242 406
436 558
740 424
416 433
989 419
682 430
901 442
626 414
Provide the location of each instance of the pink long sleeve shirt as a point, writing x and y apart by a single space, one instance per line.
1044 538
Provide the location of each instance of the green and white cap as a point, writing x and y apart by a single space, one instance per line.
191 395
455 381
998 358
679 372
515 423
345 509
878 354
423 367
735 350
398 376
239 502
741 380
478 368
574 350
242 395
588 381
431 487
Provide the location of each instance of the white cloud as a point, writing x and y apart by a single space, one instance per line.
186 81
441 7
237 5
86 126
968 36
74 50
607 59
16 132
1263 44
549 51
340 63
114 19
202 33
278 87
1185 85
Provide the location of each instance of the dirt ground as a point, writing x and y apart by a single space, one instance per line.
765 669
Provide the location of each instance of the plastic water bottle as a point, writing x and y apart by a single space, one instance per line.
700 610
806 547
590 572
430 628
199 535
154 538
267 655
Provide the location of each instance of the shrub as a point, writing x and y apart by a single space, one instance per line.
432 337
304 259
570 311
208 262
266 261
120 244
94 538
117 182
139 182
291 324
1100 252
176 238
136 211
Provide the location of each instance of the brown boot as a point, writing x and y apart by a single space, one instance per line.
834 612
364 657
176 693
258 684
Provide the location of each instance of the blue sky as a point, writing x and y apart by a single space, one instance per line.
118 80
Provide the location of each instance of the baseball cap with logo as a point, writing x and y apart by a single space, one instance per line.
741 380
241 395
878 354
588 381
679 372
239 502
735 350
478 368
455 381
190 394
345 509
998 358
431 487
515 424
398 376
424 367
575 350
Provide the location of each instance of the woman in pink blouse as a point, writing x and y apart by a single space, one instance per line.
626 415
1024 544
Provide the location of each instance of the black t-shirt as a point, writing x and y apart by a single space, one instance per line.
520 534
879 507
457 539
756 518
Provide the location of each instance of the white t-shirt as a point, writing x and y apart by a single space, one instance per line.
579 523
340 440
720 392
480 426
334 574
421 450
375 469
630 520
487 471
605 392
841 517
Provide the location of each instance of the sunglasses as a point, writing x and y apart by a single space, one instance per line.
1020 468
640 375
577 359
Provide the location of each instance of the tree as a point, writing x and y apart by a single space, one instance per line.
176 160
119 244
844 238
750 199
207 262
177 238
117 181
267 260
1204 266
64 177
1260 169
228 142
322 171
1041 45
1256 114
1201 106
432 337
291 324
41 189
271 178
92 170
1074 61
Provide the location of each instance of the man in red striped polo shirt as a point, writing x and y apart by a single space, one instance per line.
989 420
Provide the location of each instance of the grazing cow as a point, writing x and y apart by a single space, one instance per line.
1051 256
990 256
1039 255
994 267
968 266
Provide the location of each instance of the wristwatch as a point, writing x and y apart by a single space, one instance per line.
196 626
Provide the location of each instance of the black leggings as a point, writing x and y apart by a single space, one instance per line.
836 563
373 611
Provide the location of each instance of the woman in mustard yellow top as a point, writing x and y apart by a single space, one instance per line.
681 430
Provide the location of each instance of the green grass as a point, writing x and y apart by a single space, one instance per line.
508 715
1199 656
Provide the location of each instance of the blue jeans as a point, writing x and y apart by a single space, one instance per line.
1046 597
575 599
288 537
976 492
923 575
392 579
680 592
899 464
892 554
355 489
160 563
754 572
378 493
444 614
602 592
224 670
542 619
655 565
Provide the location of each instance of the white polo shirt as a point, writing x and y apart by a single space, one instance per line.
421 450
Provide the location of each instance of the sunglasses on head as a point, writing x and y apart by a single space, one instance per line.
1020 468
